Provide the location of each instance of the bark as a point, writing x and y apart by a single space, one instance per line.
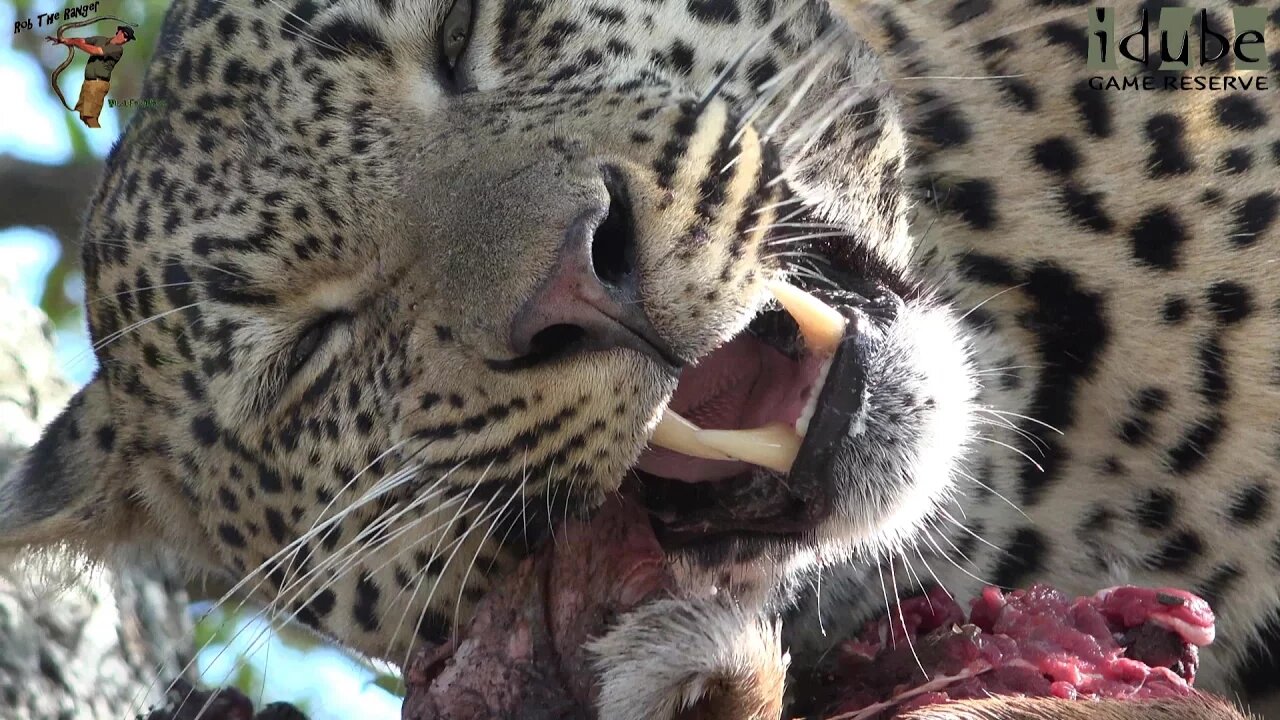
53 197
91 645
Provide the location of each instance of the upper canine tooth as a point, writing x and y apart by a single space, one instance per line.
774 446
675 433
820 324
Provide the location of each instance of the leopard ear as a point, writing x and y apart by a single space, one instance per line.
69 488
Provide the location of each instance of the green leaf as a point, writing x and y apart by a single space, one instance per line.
391 683
248 680
54 300
214 628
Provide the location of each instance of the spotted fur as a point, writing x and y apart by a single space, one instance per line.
305 267
1117 250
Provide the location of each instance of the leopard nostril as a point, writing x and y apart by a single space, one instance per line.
613 242
591 299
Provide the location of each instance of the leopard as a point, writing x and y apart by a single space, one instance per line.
852 298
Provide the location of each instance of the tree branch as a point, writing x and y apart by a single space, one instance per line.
97 644
53 197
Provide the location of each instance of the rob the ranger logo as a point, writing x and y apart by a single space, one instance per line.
1172 44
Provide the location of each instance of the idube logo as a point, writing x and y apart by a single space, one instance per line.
1185 39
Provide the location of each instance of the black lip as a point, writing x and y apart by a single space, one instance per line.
754 503
839 405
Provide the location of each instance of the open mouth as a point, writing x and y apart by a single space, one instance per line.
745 448
741 462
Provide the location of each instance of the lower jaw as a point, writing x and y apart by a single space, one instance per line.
752 511
735 562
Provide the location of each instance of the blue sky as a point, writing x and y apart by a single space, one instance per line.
329 683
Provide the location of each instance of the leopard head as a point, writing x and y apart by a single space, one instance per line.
384 291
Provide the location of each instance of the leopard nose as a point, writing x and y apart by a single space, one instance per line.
592 300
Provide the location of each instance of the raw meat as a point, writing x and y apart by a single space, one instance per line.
1123 643
523 654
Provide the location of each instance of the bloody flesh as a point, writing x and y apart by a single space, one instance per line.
524 653
1122 643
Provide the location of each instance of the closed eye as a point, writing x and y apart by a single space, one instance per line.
455 35
313 339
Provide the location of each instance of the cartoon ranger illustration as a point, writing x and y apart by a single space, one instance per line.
104 52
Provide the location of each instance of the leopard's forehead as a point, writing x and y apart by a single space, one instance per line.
344 96
526 47
303 144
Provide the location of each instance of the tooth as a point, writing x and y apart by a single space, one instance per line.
820 324
774 446
811 407
676 433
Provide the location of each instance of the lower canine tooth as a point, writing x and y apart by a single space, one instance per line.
820 324
675 433
773 446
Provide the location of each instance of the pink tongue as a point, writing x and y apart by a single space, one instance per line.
743 384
